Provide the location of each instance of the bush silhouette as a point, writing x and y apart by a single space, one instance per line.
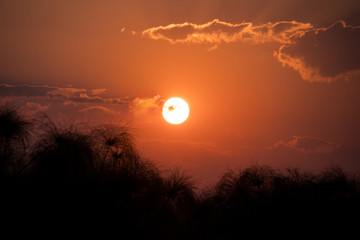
115 146
63 155
94 177
14 133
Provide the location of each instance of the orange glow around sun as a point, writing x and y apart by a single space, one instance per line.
175 110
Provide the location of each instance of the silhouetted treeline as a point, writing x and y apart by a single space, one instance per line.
93 180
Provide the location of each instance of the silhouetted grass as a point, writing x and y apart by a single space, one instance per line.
76 177
14 133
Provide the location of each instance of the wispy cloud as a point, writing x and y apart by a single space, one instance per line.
32 108
98 91
307 144
217 32
76 95
97 109
143 105
64 92
9 90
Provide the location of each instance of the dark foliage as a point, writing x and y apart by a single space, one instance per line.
94 181
14 133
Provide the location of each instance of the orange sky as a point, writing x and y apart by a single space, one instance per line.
272 82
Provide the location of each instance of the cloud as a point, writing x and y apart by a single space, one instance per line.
143 105
324 54
65 103
38 91
65 92
307 144
216 32
98 91
32 108
319 54
95 109
76 95
8 90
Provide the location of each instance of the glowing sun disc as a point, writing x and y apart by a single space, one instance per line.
175 110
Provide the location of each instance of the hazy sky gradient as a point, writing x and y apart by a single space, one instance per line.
274 82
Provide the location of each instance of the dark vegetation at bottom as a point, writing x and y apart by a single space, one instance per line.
94 181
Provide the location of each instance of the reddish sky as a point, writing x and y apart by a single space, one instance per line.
274 82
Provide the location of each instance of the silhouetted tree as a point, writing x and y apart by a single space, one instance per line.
115 146
14 133
179 206
62 154
179 190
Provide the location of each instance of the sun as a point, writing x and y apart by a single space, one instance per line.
175 110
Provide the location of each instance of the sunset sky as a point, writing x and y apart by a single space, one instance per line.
273 82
